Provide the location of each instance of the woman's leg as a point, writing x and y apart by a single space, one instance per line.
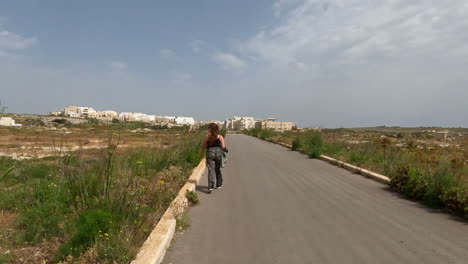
219 175
210 161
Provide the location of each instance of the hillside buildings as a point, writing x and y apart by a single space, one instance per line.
109 115
104 115
271 123
132 117
240 123
78 111
9 122
184 121
245 123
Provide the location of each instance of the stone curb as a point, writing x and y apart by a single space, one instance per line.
355 169
352 168
155 246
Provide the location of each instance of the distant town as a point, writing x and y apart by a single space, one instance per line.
80 114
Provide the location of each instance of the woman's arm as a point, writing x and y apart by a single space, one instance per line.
221 138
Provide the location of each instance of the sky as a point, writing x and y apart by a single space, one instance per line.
320 63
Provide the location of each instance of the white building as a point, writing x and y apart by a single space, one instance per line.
146 118
107 115
8 121
78 111
84 111
230 124
271 123
56 113
128 116
245 123
180 120
240 123
71 111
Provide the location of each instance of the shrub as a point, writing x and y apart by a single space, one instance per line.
266 134
313 144
440 181
182 220
93 121
192 197
296 144
456 200
399 180
416 186
223 132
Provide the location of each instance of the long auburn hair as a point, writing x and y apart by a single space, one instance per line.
214 132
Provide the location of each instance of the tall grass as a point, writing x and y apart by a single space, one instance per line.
310 143
108 205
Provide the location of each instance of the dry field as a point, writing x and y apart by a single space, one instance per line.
31 142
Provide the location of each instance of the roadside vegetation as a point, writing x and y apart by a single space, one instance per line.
74 208
435 175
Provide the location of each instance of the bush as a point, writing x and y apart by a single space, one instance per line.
192 197
416 185
399 180
296 144
456 200
93 121
313 144
266 134
223 132
441 180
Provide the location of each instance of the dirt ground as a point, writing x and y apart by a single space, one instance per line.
30 142
453 140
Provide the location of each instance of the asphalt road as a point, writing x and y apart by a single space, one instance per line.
278 206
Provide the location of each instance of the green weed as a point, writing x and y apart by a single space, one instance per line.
192 197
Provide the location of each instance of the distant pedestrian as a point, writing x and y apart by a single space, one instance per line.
214 145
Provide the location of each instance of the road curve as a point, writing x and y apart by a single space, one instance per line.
278 206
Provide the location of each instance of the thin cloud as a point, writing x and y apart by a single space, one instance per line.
197 45
118 65
11 41
229 61
167 54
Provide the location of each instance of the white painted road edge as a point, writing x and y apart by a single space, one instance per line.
352 168
155 246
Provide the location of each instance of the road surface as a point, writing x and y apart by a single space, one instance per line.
278 206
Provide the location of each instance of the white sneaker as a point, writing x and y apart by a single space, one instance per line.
219 187
210 190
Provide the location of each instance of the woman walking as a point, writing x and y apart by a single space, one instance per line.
214 145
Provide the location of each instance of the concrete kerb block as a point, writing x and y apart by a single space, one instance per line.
347 166
155 246
355 169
